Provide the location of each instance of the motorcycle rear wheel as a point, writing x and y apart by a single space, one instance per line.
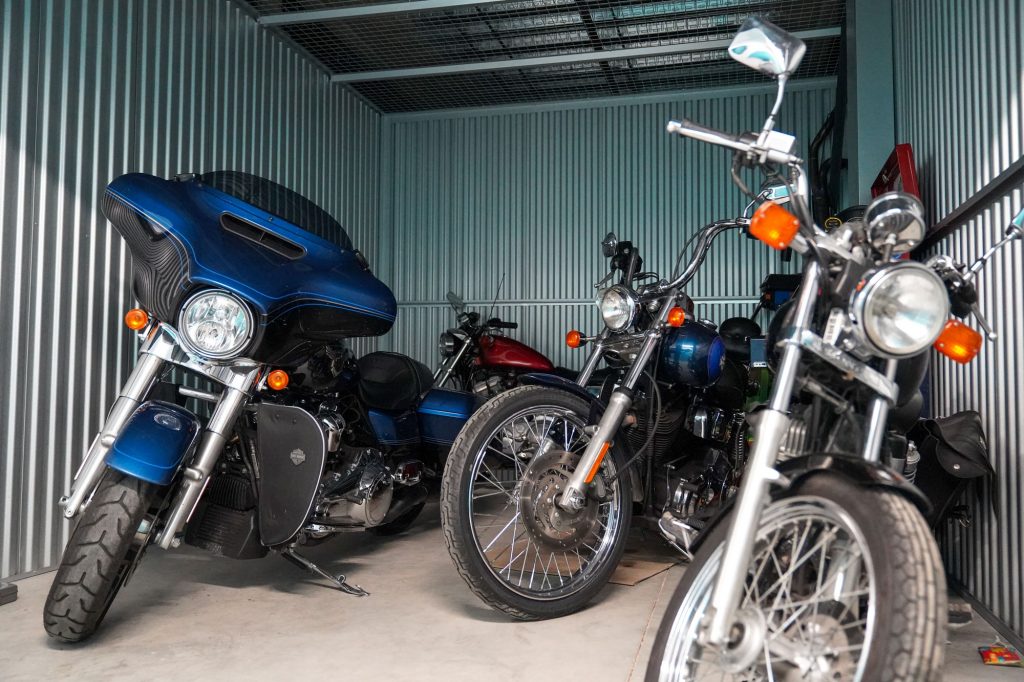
98 557
882 611
525 573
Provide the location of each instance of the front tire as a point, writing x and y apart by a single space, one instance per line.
97 558
509 461
890 625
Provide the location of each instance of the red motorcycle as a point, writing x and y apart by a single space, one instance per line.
477 357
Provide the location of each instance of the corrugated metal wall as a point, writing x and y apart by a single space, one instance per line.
90 90
528 195
960 103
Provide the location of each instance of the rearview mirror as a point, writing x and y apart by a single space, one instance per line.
895 219
1018 224
456 301
609 244
765 47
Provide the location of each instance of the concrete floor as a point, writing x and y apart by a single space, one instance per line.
188 615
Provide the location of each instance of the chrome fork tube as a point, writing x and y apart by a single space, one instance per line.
770 429
574 498
595 357
449 365
878 415
154 351
196 476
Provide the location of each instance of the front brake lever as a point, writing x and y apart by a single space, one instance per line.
605 280
990 334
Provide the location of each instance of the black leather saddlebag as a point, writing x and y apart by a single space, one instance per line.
392 381
954 451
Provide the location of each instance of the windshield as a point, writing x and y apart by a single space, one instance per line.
280 201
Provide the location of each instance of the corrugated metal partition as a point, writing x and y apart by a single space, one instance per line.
960 103
90 90
528 194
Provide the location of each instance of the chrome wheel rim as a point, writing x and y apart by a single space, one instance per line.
811 579
512 550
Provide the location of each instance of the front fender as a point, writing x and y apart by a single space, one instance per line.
154 441
858 471
555 381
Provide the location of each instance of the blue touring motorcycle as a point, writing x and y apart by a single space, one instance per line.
291 440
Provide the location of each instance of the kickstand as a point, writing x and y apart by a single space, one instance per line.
337 581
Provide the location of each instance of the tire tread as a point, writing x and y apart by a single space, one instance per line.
91 570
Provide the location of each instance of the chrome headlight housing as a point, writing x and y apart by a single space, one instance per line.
215 324
901 309
446 344
618 307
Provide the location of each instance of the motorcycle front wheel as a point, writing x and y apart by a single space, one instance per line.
845 583
514 546
98 557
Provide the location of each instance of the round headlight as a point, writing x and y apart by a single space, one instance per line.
618 308
215 324
901 309
446 344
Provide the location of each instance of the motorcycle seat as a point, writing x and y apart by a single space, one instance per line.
392 381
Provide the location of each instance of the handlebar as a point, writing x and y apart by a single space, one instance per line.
495 323
700 251
746 143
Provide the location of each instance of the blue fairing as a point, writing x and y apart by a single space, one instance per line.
154 441
443 413
323 275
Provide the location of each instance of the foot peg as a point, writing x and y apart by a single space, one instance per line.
337 581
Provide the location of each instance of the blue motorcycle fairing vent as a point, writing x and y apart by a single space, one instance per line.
154 441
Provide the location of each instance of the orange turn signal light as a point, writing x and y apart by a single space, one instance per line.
574 339
774 225
676 317
278 380
958 342
136 319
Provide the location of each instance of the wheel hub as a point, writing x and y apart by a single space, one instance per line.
546 522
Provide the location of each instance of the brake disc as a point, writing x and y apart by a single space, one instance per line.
548 524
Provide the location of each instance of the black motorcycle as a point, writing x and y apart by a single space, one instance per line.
290 439
539 489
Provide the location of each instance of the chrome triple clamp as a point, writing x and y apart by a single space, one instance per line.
338 581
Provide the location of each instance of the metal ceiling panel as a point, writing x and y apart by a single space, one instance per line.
424 55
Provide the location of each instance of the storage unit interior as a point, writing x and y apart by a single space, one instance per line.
485 148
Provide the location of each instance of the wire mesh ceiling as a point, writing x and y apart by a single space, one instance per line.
421 55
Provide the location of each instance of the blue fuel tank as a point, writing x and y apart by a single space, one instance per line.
692 354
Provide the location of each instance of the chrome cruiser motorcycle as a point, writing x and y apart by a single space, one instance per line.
824 567
539 488
301 441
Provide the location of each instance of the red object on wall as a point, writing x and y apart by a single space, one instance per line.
898 173
500 352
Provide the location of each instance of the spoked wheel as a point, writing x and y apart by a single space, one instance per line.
515 547
845 583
